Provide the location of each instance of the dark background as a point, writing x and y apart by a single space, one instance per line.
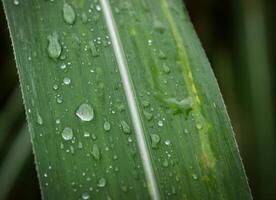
238 37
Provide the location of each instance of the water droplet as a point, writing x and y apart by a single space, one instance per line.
66 81
96 152
67 133
162 55
125 127
195 177
107 126
86 134
199 126
158 26
54 47
84 18
98 8
55 86
39 119
101 182
160 123
16 2
124 188
80 145
155 140
145 103
69 14
148 115
166 69
168 142
85 112
63 66
85 196
183 106
93 49
165 163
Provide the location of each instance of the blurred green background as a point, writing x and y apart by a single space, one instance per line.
238 36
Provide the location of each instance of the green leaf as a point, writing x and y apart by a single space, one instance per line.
120 62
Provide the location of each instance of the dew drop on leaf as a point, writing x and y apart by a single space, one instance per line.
165 163
54 47
125 127
96 152
39 119
155 140
67 133
85 196
160 123
107 126
148 115
85 112
101 182
16 2
69 14
66 81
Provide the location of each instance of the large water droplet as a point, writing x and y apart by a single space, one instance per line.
155 140
107 126
54 47
67 133
96 152
85 112
101 182
125 127
69 14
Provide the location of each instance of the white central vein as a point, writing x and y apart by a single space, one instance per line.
127 84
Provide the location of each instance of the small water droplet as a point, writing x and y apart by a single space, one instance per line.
166 69
101 182
155 140
85 112
125 127
93 49
85 196
96 152
67 133
54 47
80 145
84 18
16 2
98 8
107 126
69 14
148 115
165 163
158 26
195 177
39 119
66 81
199 126
168 142
55 86
160 123
86 134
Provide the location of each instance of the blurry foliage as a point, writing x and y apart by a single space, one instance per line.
221 28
